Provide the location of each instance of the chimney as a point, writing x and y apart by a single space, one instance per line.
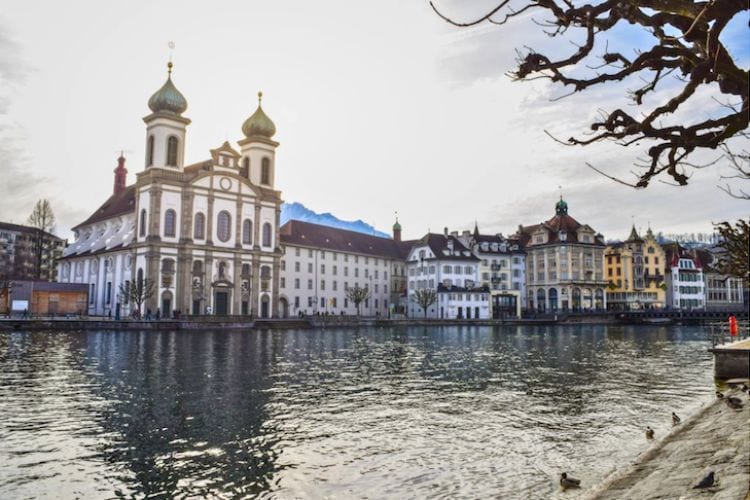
121 175
445 231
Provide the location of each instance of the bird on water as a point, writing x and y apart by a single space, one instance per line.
706 482
675 419
649 433
719 395
568 482
734 403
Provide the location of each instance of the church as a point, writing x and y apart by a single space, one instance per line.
206 234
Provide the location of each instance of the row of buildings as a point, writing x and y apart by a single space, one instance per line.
208 236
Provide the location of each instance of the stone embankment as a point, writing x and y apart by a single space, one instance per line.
716 439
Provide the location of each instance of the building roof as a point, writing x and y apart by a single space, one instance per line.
702 259
306 234
438 244
8 226
117 204
499 241
560 222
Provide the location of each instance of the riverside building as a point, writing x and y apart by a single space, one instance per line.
440 262
684 278
206 234
321 263
635 272
564 264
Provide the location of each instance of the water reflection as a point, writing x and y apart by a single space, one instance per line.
459 412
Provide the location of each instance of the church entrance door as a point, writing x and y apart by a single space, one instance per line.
221 303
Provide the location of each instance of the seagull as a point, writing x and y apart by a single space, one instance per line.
675 419
734 403
706 482
568 482
649 433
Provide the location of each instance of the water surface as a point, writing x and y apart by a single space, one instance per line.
418 412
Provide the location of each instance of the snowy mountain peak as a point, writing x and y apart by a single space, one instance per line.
297 211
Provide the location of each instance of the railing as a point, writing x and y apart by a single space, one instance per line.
720 332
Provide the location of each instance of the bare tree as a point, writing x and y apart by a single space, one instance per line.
739 163
684 40
43 220
358 295
425 298
736 241
138 292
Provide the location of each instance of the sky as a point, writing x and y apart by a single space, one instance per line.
379 107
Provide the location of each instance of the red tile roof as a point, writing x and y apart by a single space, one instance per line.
307 234
562 222
117 204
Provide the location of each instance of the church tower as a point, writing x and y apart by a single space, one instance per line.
258 150
166 127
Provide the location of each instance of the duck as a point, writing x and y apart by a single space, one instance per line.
568 482
675 419
719 395
649 433
734 403
706 482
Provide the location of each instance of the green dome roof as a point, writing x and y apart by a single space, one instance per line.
259 124
561 207
168 98
397 226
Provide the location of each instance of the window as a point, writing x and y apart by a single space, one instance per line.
170 221
309 284
265 171
126 298
296 266
296 283
143 222
266 234
322 284
109 292
245 270
172 143
296 252
246 167
150 151
322 269
309 267
223 226
247 232
335 287
199 227
282 282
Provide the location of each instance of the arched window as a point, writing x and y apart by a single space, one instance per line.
199 228
247 232
143 222
172 143
245 167
170 222
150 151
140 277
265 171
224 225
167 266
266 234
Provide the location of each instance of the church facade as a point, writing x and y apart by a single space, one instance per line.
206 234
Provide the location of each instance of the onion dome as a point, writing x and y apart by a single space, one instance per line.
397 226
259 124
168 99
561 207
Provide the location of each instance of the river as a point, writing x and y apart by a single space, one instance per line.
412 412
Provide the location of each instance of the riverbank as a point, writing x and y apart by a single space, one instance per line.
716 439
247 323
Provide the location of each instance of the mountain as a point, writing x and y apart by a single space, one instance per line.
297 211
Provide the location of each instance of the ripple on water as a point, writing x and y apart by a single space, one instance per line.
455 412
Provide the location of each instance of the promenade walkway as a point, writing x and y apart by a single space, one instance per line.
716 439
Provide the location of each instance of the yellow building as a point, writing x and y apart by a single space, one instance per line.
633 269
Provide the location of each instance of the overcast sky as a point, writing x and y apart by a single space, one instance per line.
379 106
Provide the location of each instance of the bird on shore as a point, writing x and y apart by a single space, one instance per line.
649 433
719 395
706 482
568 482
734 403
675 419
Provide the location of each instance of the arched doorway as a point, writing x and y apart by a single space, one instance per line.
553 299
222 299
541 300
576 299
265 308
283 307
599 299
588 302
166 304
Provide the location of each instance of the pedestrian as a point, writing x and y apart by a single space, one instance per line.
158 314
148 314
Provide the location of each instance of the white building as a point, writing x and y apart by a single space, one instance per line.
442 263
206 234
502 268
684 278
321 263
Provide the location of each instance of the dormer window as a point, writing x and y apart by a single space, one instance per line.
564 236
